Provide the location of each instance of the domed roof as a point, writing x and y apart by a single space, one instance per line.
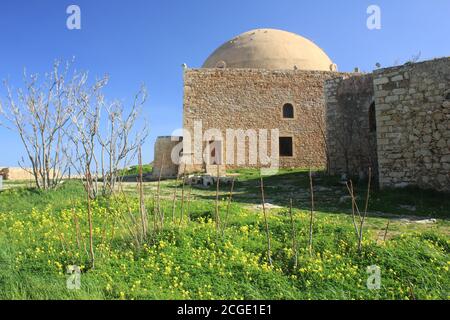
270 49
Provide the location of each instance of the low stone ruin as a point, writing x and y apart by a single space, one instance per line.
207 180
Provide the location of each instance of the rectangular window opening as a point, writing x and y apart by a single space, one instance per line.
286 147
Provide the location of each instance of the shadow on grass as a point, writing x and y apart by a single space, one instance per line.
330 195
24 199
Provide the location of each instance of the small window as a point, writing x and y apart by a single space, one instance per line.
447 97
372 118
288 111
221 64
286 149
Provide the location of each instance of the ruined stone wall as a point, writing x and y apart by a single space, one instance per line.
162 163
351 140
413 119
16 174
253 99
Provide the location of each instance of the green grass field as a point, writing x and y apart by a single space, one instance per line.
134 170
42 233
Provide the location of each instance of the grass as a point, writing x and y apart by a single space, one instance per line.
192 260
21 198
134 170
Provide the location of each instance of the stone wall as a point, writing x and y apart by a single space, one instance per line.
410 141
162 164
16 174
253 99
413 120
351 139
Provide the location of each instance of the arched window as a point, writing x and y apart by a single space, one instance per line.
288 111
372 118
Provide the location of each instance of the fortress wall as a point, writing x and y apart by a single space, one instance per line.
413 118
351 139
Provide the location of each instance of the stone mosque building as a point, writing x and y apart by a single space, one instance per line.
261 79
394 120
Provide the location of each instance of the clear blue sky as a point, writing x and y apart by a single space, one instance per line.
146 41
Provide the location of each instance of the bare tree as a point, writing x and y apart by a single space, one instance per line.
111 137
119 141
294 236
311 217
230 199
142 208
319 121
386 230
217 215
366 207
362 217
40 112
88 103
266 223
349 125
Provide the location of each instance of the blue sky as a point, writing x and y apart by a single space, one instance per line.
146 41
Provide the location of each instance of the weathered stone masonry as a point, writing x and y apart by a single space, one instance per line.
412 104
163 164
413 124
351 137
253 99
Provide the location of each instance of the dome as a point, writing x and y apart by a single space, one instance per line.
270 49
